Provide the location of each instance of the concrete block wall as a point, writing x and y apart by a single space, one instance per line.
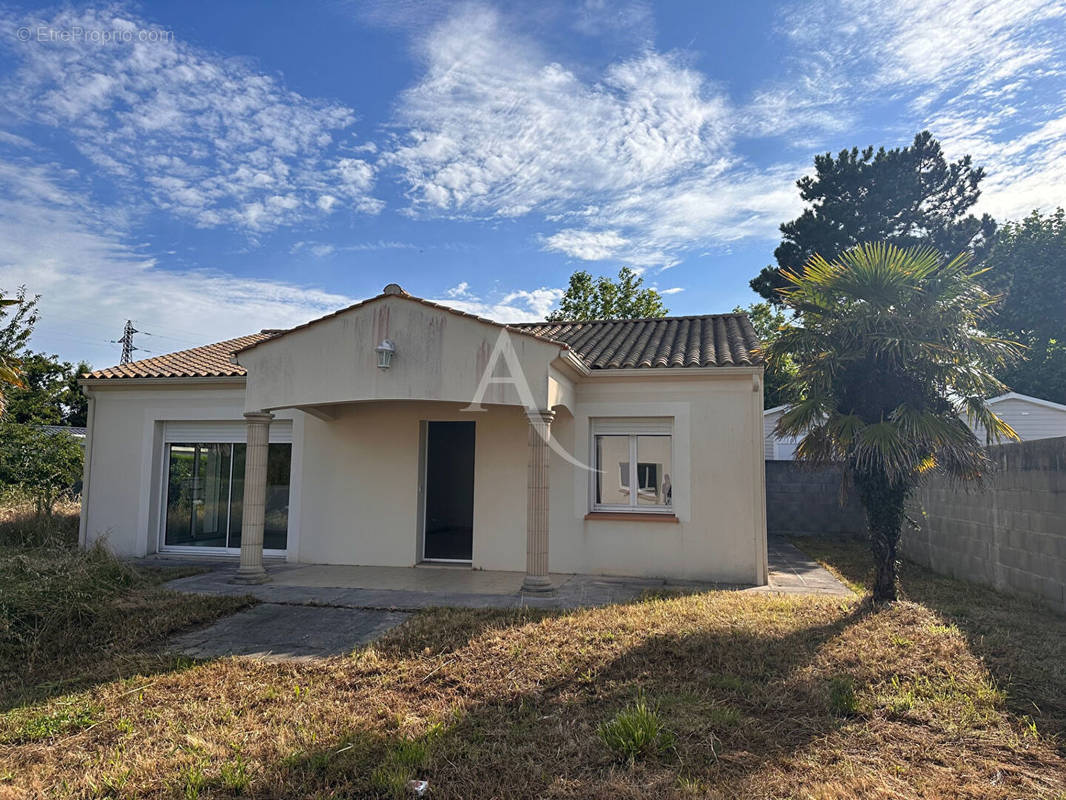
1012 536
803 500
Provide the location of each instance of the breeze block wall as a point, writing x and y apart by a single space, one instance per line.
1011 536
803 500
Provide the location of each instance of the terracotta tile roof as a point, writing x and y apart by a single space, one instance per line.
712 340
209 361
394 290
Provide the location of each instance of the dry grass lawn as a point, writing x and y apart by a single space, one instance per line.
757 696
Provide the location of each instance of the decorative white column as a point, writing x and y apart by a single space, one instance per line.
253 512
537 579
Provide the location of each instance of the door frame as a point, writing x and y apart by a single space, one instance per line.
423 481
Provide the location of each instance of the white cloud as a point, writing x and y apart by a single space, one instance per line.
459 290
944 47
985 76
672 290
91 279
496 128
206 138
324 249
516 306
629 18
586 245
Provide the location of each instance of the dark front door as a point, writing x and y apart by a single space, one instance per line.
449 529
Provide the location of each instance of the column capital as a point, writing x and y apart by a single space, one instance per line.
536 415
260 417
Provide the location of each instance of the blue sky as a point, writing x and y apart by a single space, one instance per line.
209 169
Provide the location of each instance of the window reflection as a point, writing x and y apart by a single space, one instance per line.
205 493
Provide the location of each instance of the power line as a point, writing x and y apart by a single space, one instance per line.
127 343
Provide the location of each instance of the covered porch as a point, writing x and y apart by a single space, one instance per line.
431 446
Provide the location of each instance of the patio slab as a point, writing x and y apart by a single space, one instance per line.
794 572
426 586
275 632
313 611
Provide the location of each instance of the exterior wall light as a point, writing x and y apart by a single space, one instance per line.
385 351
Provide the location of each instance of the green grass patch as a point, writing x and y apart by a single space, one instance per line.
34 726
636 732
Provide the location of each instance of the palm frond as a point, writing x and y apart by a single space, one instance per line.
887 343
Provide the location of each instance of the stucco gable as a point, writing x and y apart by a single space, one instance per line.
441 355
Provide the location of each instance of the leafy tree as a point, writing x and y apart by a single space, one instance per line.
46 391
50 394
42 463
603 298
1027 266
889 354
769 323
905 196
15 330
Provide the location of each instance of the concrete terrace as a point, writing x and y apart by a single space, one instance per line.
427 586
318 610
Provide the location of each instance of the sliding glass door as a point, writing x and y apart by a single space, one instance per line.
205 492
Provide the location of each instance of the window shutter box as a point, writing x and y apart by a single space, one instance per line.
222 431
640 426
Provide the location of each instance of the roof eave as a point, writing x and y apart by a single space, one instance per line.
95 383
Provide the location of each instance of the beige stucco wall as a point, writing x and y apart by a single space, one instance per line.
717 482
125 453
439 356
362 484
356 478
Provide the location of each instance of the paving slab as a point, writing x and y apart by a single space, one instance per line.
792 571
276 632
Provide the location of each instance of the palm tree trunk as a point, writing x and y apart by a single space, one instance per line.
884 501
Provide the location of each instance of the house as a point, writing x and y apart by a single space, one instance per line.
75 432
777 448
1031 418
398 431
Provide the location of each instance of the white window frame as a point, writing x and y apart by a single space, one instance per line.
632 428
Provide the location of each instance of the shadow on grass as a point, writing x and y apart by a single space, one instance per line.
733 700
1022 642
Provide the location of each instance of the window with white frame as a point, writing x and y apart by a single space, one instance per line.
203 485
633 460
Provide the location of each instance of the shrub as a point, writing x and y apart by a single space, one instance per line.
636 732
43 463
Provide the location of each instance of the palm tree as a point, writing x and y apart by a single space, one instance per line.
890 359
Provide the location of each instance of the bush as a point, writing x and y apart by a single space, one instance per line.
636 732
44 464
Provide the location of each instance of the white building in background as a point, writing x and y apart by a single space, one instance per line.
1031 418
